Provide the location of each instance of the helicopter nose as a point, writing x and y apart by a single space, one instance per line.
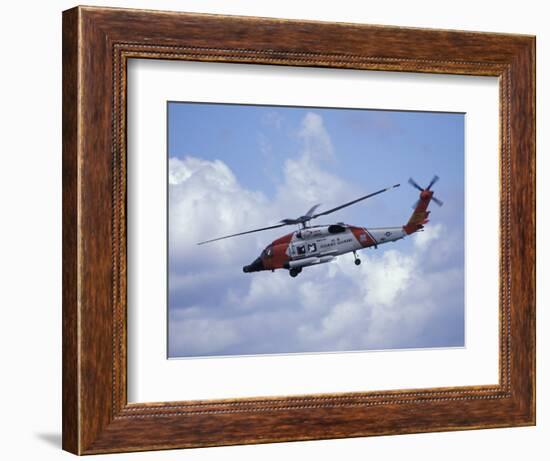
255 266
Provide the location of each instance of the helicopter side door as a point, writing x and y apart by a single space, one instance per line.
304 249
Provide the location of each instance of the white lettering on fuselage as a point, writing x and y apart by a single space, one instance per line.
318 242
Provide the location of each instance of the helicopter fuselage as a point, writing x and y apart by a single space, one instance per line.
312 245
321 244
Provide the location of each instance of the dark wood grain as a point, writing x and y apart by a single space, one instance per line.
97 43
70 383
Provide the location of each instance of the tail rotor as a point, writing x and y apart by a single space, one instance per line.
420 215
414 184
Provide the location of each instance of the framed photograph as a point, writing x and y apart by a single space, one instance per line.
281 230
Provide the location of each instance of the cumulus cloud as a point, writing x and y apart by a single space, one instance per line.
317 143
206 201
390 301
197 335
428 235
401 296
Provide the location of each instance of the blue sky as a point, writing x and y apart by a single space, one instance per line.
235 167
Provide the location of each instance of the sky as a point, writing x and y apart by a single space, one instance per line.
233 168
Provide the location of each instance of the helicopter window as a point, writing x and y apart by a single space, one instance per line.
301 249
312 248
336 229
268 251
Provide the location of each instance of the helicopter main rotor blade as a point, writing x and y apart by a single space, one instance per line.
302 219
312 210
332 210
243 233
413 183
436 200
432 182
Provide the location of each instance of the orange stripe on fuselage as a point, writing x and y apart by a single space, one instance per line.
362 236
284 239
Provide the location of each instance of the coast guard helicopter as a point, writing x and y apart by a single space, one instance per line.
312 245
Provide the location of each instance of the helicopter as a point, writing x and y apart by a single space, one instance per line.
320 244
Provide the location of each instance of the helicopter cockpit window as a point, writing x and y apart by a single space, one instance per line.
301 249
268 252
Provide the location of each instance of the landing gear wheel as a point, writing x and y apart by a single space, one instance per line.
294 272
357 261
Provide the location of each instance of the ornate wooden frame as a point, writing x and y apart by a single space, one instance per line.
97 43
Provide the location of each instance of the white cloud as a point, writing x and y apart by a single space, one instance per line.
317 143
342 317
386 301
306 182
430 233
200 336
267 286
388 276
206 201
